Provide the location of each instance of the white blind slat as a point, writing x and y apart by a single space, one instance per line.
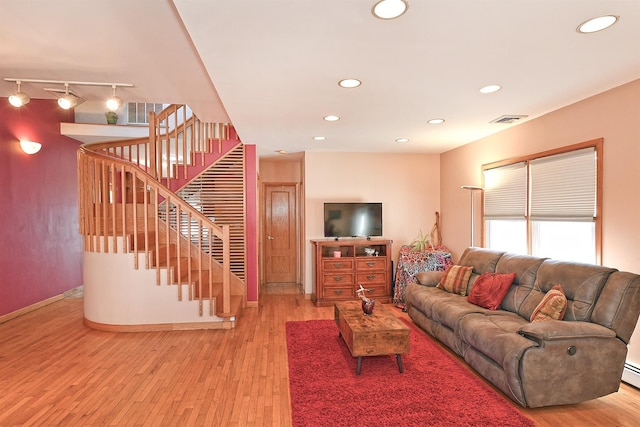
505 195
563 187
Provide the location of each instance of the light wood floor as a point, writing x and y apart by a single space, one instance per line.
56 371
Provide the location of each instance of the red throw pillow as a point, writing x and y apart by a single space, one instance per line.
490 289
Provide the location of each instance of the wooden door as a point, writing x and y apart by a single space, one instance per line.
281 231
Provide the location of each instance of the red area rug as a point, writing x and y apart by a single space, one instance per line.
434 390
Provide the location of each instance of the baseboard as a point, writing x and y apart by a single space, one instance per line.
631 374
30 308
24 310
157 327
252 304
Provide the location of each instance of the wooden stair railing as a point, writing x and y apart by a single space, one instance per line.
176 135
121 194
105 216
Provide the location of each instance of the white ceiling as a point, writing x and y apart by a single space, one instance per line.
276 63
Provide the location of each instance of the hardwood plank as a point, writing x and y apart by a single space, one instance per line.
56 371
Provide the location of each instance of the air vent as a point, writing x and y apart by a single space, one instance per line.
60 91
510 118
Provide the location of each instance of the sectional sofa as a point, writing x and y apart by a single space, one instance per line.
543 362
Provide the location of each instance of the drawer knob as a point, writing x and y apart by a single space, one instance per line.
370 264
337 264
371 276
338 291
337 278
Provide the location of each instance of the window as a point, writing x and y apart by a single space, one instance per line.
138 112
546 205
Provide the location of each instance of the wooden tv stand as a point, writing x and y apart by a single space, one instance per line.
338 278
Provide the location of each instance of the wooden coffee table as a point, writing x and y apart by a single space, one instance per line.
375 335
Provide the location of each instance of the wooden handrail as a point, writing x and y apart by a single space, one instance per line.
175 135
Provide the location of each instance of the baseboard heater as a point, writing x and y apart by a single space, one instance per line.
631 374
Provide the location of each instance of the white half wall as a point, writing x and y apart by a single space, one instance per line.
115 293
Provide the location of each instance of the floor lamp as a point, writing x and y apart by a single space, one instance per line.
472 189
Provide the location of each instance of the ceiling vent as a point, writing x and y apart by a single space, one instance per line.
509 118
58 92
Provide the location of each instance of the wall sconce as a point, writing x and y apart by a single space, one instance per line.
30 147
69 99
19 98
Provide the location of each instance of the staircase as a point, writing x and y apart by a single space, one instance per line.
126 205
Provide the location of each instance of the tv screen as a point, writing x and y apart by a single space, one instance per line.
352 219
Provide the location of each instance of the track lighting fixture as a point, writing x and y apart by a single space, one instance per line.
114 102
19 98
69 99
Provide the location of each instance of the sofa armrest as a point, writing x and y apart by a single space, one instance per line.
550 330
429 278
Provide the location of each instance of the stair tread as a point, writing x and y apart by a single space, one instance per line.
236 307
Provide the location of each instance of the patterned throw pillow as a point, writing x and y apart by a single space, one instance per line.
490 289
552 307
455 279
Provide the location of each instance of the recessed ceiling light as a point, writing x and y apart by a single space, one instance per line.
389 9
435 121
349 83
597 24
402 140
319 138
490 89
331 118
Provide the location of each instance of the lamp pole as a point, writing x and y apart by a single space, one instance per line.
472 189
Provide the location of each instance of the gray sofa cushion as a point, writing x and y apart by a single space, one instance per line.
618 299
582 284
483 261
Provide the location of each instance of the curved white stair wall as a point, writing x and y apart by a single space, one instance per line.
115 293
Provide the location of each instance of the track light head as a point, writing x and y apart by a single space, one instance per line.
69 100
19 98
114 102
66 102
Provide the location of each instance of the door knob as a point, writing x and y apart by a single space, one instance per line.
269 237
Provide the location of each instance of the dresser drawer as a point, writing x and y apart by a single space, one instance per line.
372 277
375 291
335 292
345 279
337 264
371 263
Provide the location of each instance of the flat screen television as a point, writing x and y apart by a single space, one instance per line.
352 219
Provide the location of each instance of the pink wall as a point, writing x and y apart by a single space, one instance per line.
407 185
40 247
613 115
251 176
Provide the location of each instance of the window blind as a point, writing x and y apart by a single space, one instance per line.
563 186
505 195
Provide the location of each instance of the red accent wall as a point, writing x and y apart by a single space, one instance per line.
251 179
40 246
